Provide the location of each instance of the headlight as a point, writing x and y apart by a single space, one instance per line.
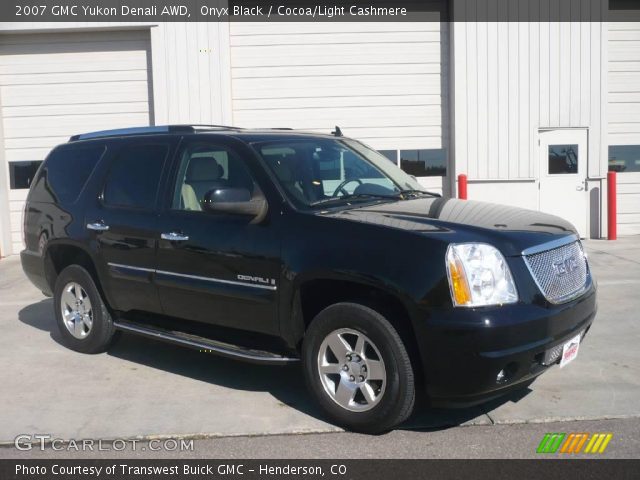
479 276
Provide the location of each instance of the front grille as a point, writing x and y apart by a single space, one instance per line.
561 273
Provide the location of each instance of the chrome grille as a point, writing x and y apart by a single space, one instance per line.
561 273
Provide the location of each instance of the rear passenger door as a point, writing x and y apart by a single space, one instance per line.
122 224
216 268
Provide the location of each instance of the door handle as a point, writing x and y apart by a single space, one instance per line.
97 226
174 237
584 185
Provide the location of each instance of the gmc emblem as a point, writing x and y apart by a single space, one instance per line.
565 266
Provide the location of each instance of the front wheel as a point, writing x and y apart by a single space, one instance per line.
358 368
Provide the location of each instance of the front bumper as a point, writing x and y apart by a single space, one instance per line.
465 349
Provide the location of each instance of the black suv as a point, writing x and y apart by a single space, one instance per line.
277 246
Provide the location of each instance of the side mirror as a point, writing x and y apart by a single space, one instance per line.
236 201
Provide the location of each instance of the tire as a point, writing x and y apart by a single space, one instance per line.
358 402
88 327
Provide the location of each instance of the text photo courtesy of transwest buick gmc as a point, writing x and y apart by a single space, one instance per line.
276 246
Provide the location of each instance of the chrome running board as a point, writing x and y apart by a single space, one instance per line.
203 344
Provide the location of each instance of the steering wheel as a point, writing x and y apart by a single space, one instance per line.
341 188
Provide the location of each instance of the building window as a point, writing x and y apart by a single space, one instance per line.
21 174
392 155
624 158
424 163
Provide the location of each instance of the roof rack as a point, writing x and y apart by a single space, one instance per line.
120 132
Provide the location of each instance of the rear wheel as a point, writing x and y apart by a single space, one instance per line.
358 368
82 316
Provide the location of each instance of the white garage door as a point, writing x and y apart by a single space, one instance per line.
624 120
55 85
380 82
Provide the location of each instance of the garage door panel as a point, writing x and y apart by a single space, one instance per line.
262 28
623 81
75 109
333 101
99 62
363 117
57 85
46 79
333 71
319 86
13 52
56 126
74 93
335 38
625 112
334 55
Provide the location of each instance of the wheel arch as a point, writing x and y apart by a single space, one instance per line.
313 295
59 255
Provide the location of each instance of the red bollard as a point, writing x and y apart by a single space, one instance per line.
462 186
612 206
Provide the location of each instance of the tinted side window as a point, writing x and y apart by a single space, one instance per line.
65 172
134 176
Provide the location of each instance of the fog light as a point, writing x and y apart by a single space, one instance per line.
507 373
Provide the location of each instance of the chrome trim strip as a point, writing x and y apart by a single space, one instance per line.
543 247
129 267
201 345
194 277
218 280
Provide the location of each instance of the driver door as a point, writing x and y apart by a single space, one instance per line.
216 268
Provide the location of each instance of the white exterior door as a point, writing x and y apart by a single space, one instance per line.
563 170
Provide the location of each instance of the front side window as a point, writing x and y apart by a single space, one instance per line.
134 177
315 171
205 168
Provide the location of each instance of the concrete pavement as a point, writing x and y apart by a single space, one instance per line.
143 388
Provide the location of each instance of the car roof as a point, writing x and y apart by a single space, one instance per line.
248 135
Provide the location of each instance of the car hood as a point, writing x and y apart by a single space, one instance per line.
513 229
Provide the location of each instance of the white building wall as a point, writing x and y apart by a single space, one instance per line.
512 78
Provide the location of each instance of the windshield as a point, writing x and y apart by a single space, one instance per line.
319 171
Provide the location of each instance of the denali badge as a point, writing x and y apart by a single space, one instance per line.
567 265
250 278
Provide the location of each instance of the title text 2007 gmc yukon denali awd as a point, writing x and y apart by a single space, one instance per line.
277 246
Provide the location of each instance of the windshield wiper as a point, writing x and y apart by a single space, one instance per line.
352 196
418 192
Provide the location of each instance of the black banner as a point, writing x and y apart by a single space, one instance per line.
319 469
155 11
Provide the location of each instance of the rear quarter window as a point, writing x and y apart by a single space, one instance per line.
65 173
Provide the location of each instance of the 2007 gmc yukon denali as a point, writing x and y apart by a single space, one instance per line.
277 246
